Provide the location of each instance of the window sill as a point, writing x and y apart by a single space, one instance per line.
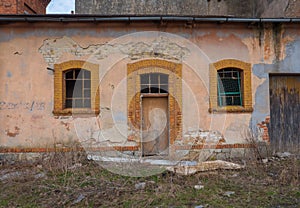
231 109
76 112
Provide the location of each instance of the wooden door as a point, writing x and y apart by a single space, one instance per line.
155 125
284 129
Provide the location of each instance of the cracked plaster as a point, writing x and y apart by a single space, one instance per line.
53 49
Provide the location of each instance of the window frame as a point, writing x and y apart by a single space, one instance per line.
223 93
60 88
246 90
159 83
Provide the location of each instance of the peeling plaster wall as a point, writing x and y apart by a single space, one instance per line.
26 86
287 61
53 49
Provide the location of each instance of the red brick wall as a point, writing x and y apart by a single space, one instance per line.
22 6
264 126
8 7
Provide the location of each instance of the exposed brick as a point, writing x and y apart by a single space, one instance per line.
68 149
217 146
264 126
23 6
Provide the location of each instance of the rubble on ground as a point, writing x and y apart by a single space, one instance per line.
205 166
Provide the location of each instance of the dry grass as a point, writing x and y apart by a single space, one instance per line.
69 180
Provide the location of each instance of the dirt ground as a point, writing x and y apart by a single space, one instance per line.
63 181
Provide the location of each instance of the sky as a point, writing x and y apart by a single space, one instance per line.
61 7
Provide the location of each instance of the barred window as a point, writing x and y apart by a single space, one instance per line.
154 83
77 88
229 87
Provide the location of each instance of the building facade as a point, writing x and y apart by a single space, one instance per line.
148 86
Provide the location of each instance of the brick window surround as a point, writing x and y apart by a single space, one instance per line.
246 90
59 88
174 72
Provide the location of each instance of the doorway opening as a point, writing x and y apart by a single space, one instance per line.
155 115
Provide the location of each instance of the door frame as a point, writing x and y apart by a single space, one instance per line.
152 95
174 70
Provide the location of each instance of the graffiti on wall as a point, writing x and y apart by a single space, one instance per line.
31 106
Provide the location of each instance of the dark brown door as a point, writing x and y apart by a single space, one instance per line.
155 138
284 128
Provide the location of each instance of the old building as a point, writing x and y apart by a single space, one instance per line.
167 7
23 6
148 85
230 8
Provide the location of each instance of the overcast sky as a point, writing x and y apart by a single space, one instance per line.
61 6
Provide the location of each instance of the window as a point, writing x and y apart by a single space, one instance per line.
154 83
230 86
76 88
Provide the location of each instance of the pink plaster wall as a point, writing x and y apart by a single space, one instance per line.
26 87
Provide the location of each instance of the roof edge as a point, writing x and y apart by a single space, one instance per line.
135 18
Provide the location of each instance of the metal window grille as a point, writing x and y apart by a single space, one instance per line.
229 87
154 83
77 88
